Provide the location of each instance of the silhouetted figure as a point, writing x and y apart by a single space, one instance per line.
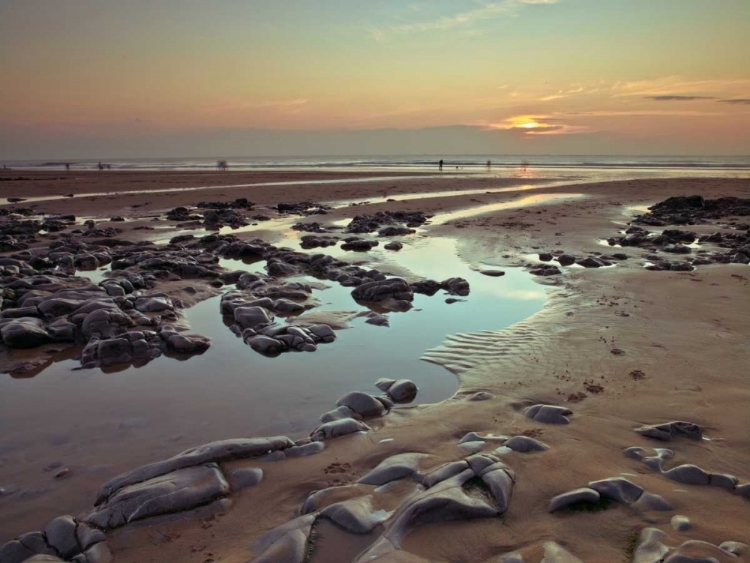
100 166
440 164
489 164
109 167
222 165
67 166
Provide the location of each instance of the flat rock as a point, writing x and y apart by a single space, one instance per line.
356 516
618 489
181 490
396 467
554 553
525 444
244 477
577 496
223 450
669 430
338 428
548 414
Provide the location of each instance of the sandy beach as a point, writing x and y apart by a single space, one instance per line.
607 344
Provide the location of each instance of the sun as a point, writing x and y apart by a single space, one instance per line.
528 125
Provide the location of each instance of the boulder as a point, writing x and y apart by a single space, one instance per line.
363 404
25 332
338 428
251 317
393 468
402 391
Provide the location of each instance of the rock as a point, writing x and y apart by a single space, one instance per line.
546 271
688 474
577 496
735 547
375 291
395 245
251 317
285 544
183 344
548 414
545 256
153 303
266 345
649 548
525 444
456 286
224 450
500 483
396 467
566 259
287 306
25 332
357 516
244 477
492 273
178 491
651 502
617 489
444 472
337 428
554 553
665 432
114 351
339 413
472 447
362 404
304 450
402 391
680 523
384 384
61 535
592 262
481 396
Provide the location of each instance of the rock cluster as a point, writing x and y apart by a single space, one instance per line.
387 223
693 210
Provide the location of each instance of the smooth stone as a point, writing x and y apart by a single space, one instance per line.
444 472
548 414
244 477
338 428
554 553
179 491
582 495
665 432
356 516
525 444
362 404
618 489
392 468
305 450
688 474
61 535
650 501
680 523
402 391
338 413
285 544
649 548
735 547
384 384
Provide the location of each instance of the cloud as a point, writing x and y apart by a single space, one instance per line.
257 104
737 101
681 86
536 125
677 98
487 11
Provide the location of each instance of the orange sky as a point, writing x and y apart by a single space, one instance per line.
670 73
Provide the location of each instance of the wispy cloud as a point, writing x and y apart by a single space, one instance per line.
291 104
737 101
486 11
677 98
536 125
681 86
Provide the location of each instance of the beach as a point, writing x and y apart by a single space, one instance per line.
631 333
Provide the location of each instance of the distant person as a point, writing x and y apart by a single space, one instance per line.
489 164
100 166
109 167
67 166
440 164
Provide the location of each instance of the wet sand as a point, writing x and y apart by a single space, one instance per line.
643 347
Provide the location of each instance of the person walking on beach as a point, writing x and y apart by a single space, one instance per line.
67 166
489 164
100 166
440 165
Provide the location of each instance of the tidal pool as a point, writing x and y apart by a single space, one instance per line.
99 423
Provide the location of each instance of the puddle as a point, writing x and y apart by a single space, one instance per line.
102 422
528 201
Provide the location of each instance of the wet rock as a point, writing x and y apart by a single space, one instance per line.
251 317
492 273
402 391
618 489
688 474
472 447
665 432
61 535
362 404
244 477
566 260
153 303
287 306
357 516
393 468
456 286
24 332
376 291
546 271
680 523
577 496
338 428
114 351
304 450
285 544
548 414
188 344
266 344
651 502
338 414
359 245
224 450
554 553
649 548
181 490
525 444
395 246
592 262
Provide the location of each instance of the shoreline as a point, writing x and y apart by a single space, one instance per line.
559 353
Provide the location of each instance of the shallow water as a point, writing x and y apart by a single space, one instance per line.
101 422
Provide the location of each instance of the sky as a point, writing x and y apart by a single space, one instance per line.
137 78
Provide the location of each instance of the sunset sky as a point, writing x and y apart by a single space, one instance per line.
94 78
